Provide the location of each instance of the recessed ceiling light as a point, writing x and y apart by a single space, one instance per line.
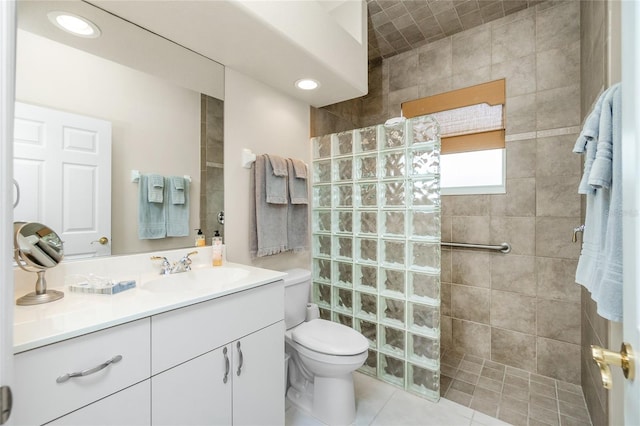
307 84
74 24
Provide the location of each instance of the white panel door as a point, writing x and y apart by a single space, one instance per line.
62 163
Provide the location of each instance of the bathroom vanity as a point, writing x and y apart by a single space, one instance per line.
175 351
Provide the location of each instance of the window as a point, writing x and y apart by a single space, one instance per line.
472 132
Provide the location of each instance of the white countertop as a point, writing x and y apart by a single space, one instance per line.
79 313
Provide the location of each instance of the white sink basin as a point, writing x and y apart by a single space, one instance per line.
197 279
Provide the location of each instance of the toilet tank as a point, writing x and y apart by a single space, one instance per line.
297 287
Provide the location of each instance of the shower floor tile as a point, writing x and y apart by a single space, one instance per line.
510 394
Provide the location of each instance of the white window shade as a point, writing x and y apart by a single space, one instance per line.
469 119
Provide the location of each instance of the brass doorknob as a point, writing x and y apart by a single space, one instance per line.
101 240
604 358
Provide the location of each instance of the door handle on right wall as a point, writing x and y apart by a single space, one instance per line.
624 359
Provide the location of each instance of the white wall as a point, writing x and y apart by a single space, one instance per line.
267 122
156 125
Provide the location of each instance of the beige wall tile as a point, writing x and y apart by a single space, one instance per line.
471 77
559 360
521 159
557 196
513 311
445 265
558 67
520 199
445 227
555 157
470 268
445 299
471 49
513 273
435 62
558 26
520 74
471 338
446 336
559 320
470 303
553 237
513 40
470 229
556 279
403 72
513 348
558 107
466 205
521 114
520 232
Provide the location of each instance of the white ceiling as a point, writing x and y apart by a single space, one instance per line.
276 42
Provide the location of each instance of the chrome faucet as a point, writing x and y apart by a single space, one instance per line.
183 265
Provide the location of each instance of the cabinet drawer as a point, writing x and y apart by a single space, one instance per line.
185 333
40 397
129 407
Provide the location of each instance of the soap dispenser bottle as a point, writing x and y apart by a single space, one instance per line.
200 241
216 242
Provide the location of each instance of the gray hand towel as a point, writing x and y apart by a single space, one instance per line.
156 188
275 180
177 214
151 215
298 192
268 232
298 213
176 186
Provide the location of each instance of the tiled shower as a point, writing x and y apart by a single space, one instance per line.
521 309
376 245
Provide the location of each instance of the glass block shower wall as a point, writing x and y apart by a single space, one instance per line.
376 245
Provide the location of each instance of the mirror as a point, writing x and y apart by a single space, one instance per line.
151 94
36 249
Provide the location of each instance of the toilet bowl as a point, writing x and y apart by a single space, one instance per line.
323 357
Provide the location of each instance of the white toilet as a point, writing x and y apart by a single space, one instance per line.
323 357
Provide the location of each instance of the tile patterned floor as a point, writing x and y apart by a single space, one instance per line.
510 394
476 392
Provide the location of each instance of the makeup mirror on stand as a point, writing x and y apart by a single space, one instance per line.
36 249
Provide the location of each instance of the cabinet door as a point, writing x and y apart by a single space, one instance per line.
129 407
194 393
258 391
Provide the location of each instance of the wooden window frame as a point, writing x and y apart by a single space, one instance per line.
492 93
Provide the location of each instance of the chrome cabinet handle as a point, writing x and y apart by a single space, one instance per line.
226 365
90 371
241 359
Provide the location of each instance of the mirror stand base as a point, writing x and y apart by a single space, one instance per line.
34 298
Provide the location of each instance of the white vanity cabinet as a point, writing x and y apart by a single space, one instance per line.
194 348
41 394
167 368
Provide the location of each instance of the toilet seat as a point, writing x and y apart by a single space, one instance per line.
329 338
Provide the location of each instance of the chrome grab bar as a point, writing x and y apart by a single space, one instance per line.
504 247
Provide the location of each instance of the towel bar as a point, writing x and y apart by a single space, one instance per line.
504 247
135 176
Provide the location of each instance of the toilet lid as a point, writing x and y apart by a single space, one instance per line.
329 338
